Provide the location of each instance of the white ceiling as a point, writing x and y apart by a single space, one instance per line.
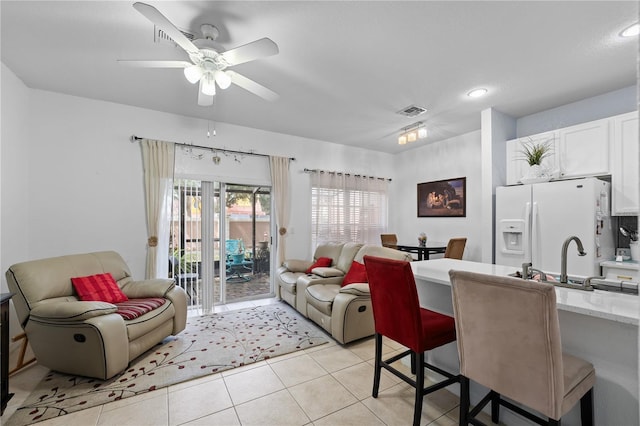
344 68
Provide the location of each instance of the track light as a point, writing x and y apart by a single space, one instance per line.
412 133
193 74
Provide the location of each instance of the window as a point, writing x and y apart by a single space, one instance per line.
347 208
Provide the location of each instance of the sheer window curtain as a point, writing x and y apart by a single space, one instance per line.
158 160
280 184
348 208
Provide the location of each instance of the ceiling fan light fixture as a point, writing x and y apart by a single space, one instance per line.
223 79
208 85
193 74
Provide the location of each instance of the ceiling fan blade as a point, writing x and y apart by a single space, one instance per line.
253 87
204 100
251 51
159 20
155 64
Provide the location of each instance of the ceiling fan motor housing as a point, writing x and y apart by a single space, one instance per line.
209 31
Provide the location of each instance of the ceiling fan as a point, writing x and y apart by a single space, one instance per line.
209 61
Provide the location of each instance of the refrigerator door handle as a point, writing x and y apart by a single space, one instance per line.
534 232
527 232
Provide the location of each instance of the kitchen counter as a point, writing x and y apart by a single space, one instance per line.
625 264
598 326
609 305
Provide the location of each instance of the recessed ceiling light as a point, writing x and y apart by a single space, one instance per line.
631 31
476 93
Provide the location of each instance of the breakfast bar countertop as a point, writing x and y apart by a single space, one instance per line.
624 308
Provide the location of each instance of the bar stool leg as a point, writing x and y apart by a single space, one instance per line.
586 408
495 407
419 366
378 367
464 401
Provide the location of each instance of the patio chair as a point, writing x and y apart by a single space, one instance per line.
237 266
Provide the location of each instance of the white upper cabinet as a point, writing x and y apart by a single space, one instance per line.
624 173
580 150
584 149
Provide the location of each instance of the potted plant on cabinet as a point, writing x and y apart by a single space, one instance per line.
533 153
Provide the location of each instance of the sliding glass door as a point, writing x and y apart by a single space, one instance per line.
247 242
220 249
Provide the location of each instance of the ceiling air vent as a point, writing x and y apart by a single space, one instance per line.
160 36
412 111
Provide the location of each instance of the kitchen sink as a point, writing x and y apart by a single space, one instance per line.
594 283
555 279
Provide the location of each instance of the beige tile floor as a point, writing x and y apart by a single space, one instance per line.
325 385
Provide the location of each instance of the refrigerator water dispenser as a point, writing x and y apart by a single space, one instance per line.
512 231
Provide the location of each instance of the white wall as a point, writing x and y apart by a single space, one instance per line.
15 163
72 182
496 129
14 173
589 109
451 158
85 189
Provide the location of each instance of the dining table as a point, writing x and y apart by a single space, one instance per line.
423 252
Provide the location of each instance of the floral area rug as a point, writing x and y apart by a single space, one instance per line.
210 344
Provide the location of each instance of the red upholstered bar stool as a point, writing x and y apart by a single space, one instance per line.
509 341
398 316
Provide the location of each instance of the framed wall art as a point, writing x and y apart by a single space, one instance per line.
443 198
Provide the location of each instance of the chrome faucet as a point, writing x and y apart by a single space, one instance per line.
563 265
526 269
528 272
543 276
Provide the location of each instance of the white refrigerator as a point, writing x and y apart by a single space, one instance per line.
533 221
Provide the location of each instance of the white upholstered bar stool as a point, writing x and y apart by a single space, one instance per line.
509 341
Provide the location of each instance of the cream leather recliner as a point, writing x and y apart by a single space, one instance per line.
290 288
89 338
346 312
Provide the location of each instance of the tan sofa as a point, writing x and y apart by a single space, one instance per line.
89 338
291 289
344 312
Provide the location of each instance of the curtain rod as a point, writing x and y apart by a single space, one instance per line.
345 174
135 138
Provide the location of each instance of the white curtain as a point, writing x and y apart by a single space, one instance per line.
280 192
348 208
158 159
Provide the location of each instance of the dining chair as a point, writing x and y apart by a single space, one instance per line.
509 341
455 248
398 316
389 240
